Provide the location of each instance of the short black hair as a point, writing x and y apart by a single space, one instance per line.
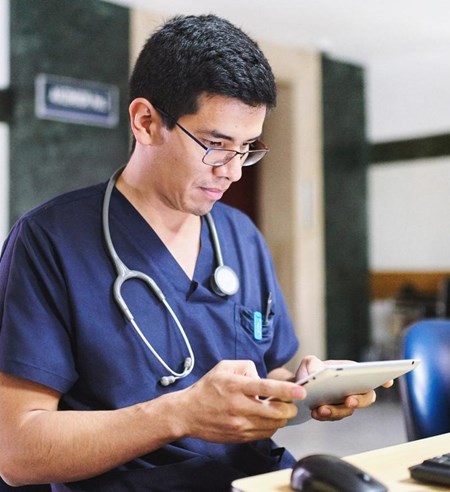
192 55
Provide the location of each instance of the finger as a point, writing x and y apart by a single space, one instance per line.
309 365
339 362
360 401
278 410
351 403
273 389
388 384
261 417
331 412
261 429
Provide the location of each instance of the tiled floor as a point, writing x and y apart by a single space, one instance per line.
378 426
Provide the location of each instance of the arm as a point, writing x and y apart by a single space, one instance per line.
40 444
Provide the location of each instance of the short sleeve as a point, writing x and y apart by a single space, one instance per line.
35 339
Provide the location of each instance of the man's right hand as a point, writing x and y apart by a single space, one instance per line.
225 405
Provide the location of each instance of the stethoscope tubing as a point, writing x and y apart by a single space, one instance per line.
124 274
224 282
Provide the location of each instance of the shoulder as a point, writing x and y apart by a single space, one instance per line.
67 209
65 217
67 201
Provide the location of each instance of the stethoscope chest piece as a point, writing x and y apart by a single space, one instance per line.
224 281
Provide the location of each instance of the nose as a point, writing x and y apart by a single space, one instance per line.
232 170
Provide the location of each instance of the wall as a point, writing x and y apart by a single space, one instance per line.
408 190
4 131
408 98
408 202
292 189
345 199
69 38
313 197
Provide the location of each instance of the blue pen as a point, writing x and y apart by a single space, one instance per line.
257 325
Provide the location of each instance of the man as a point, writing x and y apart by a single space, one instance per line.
155 381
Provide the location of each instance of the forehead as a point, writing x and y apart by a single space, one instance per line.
227 115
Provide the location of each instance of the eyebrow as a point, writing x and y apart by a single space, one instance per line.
222 136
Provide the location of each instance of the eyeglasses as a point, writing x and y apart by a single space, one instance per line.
219 157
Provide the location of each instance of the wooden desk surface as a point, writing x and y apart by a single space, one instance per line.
389 465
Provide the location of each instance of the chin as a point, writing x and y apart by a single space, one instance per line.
201 213
203 210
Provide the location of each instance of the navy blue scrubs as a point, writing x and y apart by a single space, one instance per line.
61 327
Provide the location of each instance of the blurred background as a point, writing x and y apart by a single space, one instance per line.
353 196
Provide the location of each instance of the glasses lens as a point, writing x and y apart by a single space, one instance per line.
218 157
254 156
257 151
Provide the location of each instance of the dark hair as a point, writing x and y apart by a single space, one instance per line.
192 55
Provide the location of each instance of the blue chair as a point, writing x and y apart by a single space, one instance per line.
425 392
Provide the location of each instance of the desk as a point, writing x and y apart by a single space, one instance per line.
389 465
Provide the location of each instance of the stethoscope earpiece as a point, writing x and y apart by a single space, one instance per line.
168 380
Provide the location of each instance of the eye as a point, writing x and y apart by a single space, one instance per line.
213 144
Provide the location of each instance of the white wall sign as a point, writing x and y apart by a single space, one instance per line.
76 101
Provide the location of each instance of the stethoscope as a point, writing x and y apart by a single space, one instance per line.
224 282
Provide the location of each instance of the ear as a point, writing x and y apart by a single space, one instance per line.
145 121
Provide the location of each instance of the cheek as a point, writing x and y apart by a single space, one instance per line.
180 171
188 172
171 167
180 181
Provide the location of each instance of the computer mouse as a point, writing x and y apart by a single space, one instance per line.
324 472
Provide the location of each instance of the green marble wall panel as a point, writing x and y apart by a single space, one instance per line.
83 39
345 191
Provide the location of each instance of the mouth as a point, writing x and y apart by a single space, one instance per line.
213 193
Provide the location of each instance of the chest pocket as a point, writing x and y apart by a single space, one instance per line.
253 337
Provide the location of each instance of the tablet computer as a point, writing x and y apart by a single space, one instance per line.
334 383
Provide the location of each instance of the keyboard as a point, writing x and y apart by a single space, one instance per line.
434 470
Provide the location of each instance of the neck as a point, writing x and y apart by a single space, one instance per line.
179 231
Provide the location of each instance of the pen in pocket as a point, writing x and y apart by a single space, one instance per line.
268 309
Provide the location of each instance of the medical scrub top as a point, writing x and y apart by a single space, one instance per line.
61 327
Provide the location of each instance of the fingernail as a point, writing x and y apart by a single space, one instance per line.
325 412
353 403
